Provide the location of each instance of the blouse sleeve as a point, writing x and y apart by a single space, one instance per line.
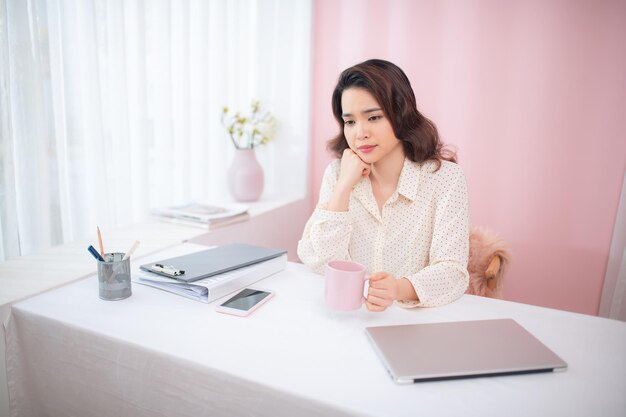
446 277
327 233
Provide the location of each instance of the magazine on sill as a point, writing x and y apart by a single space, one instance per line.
210 289
209 225
205 216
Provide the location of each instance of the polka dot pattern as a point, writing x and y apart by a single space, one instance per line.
422 232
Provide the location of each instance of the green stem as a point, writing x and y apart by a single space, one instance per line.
234 142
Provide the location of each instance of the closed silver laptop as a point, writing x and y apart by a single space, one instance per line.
466 349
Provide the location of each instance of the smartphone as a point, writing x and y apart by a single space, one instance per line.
245 302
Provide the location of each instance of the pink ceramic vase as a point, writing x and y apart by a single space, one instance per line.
245 176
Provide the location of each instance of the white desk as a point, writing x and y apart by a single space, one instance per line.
156 354
39 272
33 274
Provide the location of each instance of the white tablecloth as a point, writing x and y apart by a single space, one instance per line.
156 354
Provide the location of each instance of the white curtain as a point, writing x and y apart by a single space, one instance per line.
109 107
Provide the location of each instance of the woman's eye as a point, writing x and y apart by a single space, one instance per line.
374 118
348 122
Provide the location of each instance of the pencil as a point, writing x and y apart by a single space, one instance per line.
100 242
131 250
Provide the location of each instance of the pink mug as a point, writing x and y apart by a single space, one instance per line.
345 281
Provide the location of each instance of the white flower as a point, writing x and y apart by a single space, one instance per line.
254 129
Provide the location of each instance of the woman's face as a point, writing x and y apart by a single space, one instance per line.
365 126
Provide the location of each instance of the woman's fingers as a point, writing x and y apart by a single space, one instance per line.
378 292
375 307
381 292
377 279
352 168
379 301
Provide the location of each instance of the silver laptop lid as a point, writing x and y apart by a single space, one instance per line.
436 351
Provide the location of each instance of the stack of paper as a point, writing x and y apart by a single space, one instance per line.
205 216
217 286
211 274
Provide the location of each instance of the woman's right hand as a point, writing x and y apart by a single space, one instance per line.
352 169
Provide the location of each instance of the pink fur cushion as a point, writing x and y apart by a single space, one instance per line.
484 245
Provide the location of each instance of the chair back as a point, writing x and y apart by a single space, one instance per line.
489 259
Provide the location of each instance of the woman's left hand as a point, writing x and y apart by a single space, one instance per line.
383 291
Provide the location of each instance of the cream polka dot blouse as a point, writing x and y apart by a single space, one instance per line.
421 234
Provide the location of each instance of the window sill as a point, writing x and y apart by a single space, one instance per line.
272 202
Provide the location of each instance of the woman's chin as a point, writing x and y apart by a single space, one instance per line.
368 158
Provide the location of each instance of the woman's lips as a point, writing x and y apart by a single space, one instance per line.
366 148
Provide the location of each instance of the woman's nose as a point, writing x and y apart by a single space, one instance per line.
361 131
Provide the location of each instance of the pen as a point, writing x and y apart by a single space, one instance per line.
95 253
100 242
131 250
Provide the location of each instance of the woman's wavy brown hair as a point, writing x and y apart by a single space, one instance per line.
392 90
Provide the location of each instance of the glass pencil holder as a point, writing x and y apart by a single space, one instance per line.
114 277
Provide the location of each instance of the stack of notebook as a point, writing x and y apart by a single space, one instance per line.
213 273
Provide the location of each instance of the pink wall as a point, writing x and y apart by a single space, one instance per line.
532 94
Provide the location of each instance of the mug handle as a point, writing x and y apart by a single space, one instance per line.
363 299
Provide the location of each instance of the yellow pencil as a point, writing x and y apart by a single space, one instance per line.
100 241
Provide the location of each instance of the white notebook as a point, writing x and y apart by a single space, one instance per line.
213 287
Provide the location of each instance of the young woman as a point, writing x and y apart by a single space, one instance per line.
395 201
